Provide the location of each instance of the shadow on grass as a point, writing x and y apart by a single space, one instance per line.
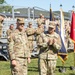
35 69
71 74
62 67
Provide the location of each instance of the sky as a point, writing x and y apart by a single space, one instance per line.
45 4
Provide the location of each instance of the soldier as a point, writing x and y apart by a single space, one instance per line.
18 50
1 21
39 30
41 19
49 44
10 30
30 31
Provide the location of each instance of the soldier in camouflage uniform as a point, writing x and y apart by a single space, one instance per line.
49 45
30 31
18 50
1 21
10 30
41 19
39 30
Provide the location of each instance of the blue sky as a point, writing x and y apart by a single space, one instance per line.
45 4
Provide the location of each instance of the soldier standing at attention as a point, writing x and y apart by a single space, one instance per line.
30 31
18 50
49 44
10 30
39 30
1 21
41 19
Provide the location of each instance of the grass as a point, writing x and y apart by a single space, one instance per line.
33 66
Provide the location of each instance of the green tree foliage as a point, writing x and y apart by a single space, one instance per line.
2 1
5 9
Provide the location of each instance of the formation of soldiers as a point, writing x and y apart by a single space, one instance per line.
20 45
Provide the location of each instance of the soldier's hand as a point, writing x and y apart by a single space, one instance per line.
53 41
29 60
14 62
50 41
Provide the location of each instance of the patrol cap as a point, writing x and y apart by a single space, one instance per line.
20 20
30 23
52 24
41 15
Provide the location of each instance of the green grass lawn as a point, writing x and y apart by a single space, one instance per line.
33 66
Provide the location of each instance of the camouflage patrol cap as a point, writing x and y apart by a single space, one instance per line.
30 23
20 20
41 15
52 24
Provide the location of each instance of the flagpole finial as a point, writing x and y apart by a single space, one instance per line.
60 5
73 7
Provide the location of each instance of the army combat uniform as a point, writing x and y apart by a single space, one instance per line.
9 31
41 19
48 53
19 51
39 30
1 20
30 35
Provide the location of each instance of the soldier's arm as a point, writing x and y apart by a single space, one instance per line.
57 44
28 55
30 32
10 47
38 32
41 42
7 33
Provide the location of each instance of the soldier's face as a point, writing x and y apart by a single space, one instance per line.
12 27
51 30
21 26
30 26
39 26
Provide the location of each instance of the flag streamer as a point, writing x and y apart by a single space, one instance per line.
62 54
72 33
51 15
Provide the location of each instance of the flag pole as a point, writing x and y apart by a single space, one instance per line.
62 69
72 35
74 43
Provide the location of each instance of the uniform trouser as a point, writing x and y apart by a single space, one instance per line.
46 67
20 68
30 44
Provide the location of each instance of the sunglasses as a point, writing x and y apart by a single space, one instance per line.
21 23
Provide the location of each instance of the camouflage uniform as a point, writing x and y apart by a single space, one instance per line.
9 31
0 29
30 35
19 51
39 30
1 20
48 53
41 19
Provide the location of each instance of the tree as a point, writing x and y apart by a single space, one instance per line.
4 8
2 1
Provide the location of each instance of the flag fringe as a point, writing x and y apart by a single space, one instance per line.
63 60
